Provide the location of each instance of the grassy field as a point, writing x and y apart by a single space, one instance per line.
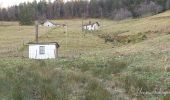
133 64
73 42
14 37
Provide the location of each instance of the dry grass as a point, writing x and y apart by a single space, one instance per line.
13 37
73 43
154 51
158 23
146 65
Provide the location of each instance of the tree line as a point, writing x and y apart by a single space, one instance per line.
26 13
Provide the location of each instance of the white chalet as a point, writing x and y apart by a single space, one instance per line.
91 26
48 24
43 50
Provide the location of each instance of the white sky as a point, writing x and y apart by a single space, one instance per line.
6 3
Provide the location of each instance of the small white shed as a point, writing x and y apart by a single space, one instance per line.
49 24
43 50
91 26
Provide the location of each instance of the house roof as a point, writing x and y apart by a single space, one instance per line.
45 43
60 24
92 24
47 21
55 23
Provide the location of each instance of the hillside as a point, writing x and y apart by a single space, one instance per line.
133 64
154 49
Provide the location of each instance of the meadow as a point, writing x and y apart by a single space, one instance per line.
133 64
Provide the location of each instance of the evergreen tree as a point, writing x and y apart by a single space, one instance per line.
28 12
25 15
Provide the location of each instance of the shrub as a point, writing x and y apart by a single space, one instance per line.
116 66
148 8
27 84
96 92
121 14
133 82
168 69
124 39
85 66
37 80
109 67
166 97
145 84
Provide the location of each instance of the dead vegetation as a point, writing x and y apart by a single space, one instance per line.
88 67
124 39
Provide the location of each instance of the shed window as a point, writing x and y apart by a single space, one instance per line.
42 50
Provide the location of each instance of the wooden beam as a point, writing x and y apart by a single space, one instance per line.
36 31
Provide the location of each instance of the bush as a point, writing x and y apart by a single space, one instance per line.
96 92
168 69
109 67
27 84
148 8
144 82
28 80
133 83
124 39
121 14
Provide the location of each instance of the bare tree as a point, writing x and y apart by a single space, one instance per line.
148 8
167 4
121 14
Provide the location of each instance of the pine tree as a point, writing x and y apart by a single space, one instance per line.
25 16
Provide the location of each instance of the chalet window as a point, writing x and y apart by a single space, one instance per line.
42 50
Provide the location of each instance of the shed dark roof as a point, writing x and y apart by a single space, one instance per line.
44 43
49 22
57 24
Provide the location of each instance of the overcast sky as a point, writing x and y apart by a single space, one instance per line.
6 3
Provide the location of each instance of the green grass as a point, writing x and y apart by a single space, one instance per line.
88 68
28 79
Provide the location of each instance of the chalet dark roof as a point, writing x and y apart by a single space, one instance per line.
92 24
45 43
